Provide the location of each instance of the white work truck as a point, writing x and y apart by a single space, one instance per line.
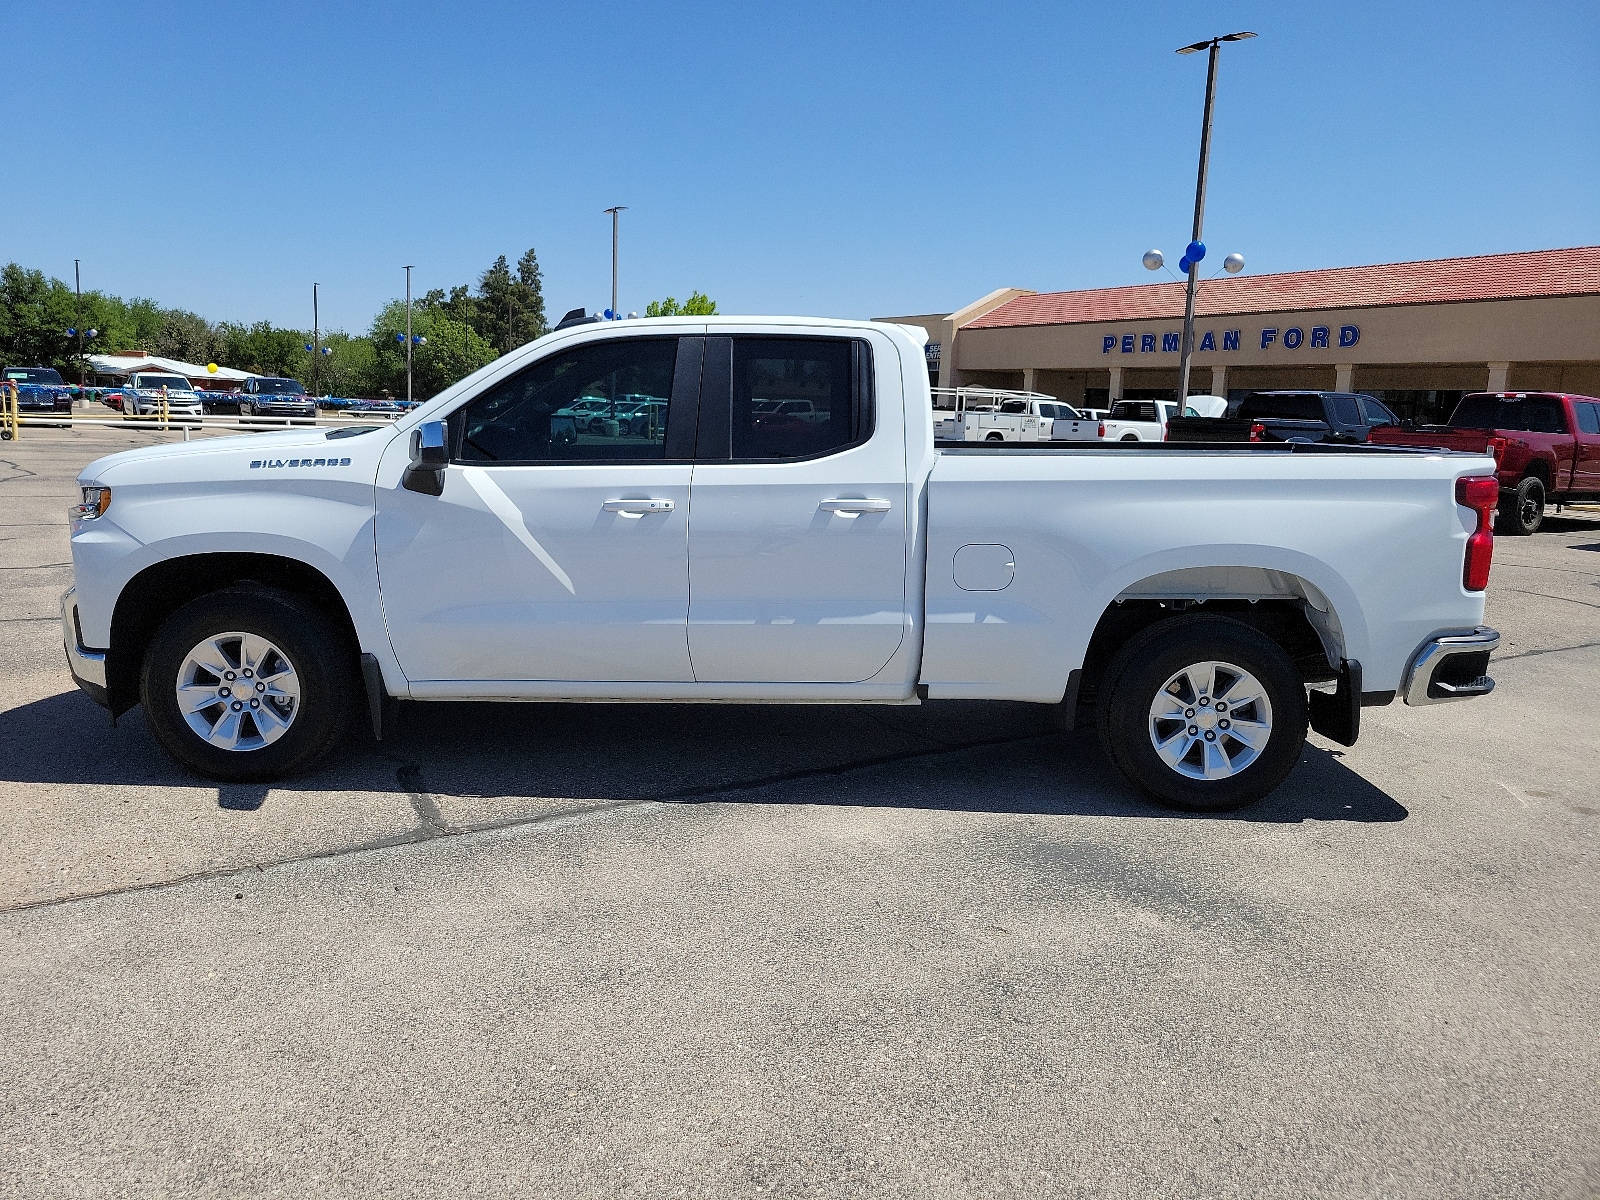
257 594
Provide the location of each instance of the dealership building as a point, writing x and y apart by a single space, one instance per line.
1417 335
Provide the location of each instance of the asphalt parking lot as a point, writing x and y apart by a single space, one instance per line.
553 950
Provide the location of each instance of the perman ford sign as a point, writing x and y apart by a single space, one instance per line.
1291 338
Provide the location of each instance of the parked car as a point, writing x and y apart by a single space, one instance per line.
1140 420
1546 447
856 562
989 415
642 416
40 390
583 414
1289 416
268 396
144 392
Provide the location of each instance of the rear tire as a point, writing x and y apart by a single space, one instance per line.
1522 508
312 655
995 437
1173 760
1130 437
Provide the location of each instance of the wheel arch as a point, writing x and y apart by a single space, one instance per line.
163 587
1286 606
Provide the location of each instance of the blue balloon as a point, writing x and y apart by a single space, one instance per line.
1183 266
1195 251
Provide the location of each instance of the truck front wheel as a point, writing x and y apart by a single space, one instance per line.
248 684
1522 508
1204 714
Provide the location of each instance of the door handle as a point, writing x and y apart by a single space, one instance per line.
854 505
638 508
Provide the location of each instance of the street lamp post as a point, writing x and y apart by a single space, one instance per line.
615 212
408 335
1196 249
77 283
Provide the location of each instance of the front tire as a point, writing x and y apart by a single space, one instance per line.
1522 508
1204 714
248 684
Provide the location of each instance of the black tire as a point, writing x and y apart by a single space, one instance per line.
995 437
322 658
1521 508
1139 672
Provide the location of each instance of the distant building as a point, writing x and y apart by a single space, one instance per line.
1417 335
111 370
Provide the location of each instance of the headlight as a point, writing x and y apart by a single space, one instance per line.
95 502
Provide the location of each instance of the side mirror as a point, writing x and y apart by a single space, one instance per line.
429 457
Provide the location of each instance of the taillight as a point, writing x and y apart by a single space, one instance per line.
1258 431
1497 447
1102 429
1480 493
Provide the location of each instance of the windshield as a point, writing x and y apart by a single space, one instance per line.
280 387
173 383
32 375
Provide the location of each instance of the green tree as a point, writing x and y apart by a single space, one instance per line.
509 307
264 349
35 314
453 350
697 305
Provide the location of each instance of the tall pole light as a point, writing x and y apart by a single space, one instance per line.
1196 249
408 334
77 283
316 338
615 212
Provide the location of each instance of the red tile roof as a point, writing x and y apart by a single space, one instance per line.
1431 281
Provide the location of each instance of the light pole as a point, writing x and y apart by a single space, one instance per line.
1196 250
408 334
317 349
77 283
615 212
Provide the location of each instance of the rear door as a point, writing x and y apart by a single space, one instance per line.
797 540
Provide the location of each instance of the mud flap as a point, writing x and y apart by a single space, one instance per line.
1337 715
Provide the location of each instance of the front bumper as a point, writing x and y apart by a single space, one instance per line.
88 666
1450 667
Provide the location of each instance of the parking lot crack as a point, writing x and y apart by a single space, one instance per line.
433 824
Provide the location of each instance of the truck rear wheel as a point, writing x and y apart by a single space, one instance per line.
1522 508
1204 714
248 684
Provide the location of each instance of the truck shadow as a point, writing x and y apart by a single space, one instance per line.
969 756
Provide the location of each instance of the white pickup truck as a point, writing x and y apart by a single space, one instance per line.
260 593
1138 420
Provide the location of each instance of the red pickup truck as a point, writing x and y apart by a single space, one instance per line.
1546 446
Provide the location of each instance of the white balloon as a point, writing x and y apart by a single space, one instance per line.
1153 260
1233 264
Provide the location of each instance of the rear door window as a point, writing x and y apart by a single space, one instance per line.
1588 417
1345 410
799 397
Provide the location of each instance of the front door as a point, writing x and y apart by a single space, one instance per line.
797 542
558 549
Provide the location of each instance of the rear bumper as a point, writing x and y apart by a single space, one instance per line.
88 667
1450 667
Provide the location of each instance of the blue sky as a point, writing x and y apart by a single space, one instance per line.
849 159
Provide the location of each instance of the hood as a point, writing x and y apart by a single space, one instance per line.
232 453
